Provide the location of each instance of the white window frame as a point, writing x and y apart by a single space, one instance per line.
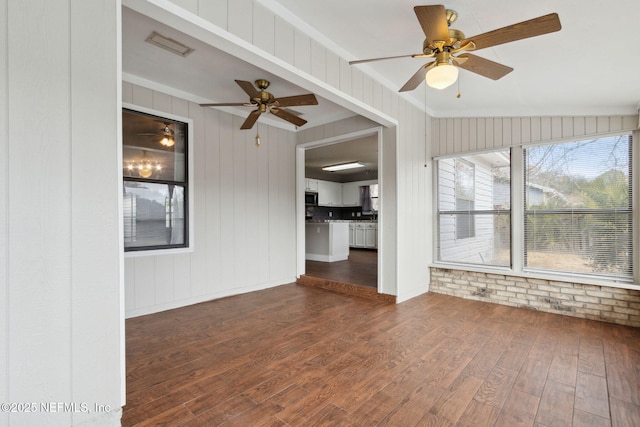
517 221
190 187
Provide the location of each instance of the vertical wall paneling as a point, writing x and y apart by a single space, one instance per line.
4 213
240 18
209 257
525 131
262 204
214 11
377 96
227 202
333 69
356 83
367 89
515 132
345 76
505 132
318 57
473 134
302 47
457 135
536 129
263 28
556 127
578 126
95 215
464 135
568 129
39 274
190 5
284 40
59 222
239 214
243 211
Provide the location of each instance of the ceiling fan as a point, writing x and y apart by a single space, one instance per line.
442 42
266 102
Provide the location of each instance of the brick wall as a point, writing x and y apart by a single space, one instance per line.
614 305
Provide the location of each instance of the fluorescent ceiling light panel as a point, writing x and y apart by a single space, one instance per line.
168 44
343 166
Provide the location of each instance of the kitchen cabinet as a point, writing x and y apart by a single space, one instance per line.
311 185
351 194
363 235
329 193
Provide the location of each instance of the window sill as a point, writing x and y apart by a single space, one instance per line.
157 252
554 277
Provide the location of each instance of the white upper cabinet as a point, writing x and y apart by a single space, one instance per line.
329 193
311 185
351 194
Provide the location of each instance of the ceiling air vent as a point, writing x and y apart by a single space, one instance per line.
169 44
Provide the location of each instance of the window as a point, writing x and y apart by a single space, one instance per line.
578 212
155 184
474 202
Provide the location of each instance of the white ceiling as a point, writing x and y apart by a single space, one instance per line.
589 67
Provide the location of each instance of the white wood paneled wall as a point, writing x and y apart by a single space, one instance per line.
462 135
244 199
311 62
61 332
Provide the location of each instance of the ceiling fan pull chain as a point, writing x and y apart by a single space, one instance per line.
458 94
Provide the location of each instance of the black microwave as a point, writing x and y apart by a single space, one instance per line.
311 198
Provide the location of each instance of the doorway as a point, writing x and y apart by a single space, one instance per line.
363 266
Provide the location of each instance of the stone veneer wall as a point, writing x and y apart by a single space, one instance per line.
614 305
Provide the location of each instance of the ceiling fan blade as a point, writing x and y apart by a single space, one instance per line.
433 20
482 66
228 104
290 101
285 115
417 78
251 120
360 61
249 88
522 30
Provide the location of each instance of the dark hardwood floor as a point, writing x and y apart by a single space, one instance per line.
360 269
301 356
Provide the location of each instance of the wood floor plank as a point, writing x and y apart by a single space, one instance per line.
455 399
556 405
519 410
532 377
496 387
564 369
592 395
478 414
624 414
591 357
585 419
295 355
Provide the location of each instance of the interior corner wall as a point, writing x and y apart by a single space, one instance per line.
61 328
414 191
244 201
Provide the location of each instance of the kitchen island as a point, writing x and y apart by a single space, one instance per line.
327 241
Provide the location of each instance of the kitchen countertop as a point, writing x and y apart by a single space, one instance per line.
320 221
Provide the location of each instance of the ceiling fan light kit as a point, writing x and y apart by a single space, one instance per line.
442 42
